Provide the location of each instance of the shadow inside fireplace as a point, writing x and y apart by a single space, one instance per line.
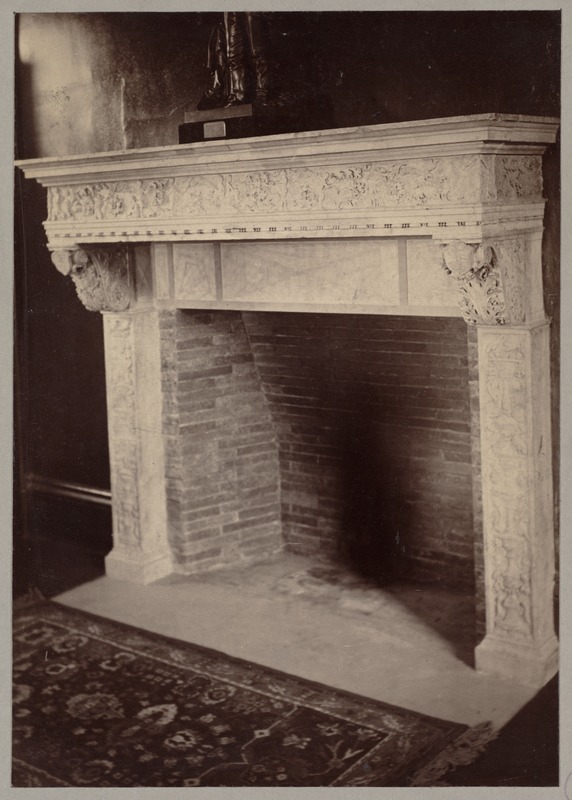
371 541
375 548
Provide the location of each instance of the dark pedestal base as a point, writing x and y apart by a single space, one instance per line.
217 123
253 119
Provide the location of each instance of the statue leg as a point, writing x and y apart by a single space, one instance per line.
216 96
257 31
236 58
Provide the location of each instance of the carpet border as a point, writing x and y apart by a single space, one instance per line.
169 640
447 733
24 765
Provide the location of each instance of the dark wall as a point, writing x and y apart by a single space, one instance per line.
103 81
389 67
122 80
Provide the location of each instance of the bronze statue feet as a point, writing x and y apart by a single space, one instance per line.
212 98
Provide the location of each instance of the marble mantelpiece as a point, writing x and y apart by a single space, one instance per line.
435 217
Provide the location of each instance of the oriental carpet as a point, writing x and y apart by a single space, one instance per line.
101 704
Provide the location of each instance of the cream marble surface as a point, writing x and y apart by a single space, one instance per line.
194 271
324 272
427 283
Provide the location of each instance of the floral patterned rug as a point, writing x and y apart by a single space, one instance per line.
100 704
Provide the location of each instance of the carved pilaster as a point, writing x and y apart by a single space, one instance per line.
100 275
517 503
500 290
141 551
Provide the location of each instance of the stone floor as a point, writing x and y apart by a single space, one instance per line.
403 644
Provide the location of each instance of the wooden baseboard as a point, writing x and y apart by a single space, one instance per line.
76 491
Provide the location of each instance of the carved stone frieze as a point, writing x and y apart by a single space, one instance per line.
100 275
371 185
136 199
518 177
250 192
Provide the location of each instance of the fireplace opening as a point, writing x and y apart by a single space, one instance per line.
346 438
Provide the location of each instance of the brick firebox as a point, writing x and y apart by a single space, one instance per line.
322 433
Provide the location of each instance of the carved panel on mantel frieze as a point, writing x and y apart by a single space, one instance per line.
408 183
469 178
518 177
100 275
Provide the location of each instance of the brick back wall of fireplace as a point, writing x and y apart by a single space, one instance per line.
351 434
374 428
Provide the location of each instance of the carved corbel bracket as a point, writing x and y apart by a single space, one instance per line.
481 292
100 275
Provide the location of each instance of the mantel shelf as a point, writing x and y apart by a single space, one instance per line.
490 130
469 175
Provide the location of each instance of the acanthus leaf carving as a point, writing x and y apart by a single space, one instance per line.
479 282
497 285
100 276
